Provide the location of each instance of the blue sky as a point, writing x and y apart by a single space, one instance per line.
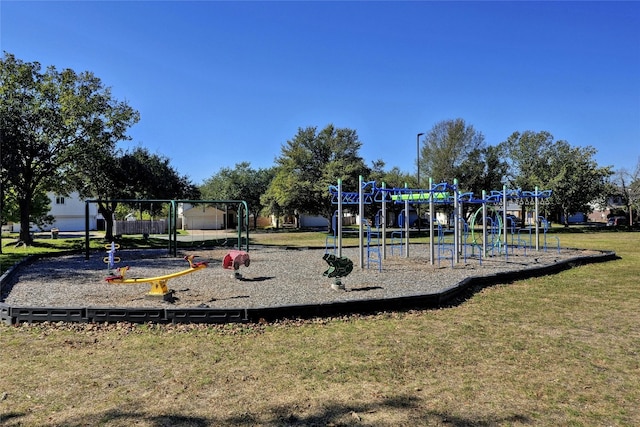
217 83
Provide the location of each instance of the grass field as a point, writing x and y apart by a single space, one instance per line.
550 351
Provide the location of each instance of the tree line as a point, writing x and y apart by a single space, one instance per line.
316 158
59 131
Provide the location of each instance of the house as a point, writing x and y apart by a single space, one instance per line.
601 215
68 213
204 217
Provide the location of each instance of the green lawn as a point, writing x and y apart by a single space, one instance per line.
555 350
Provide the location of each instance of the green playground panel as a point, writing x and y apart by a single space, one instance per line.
440 195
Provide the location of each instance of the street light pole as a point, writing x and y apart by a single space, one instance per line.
418 155
418 165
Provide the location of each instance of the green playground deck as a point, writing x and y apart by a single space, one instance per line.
439 196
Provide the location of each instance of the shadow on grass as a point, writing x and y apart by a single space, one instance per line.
10 259
403 409
9 416
582 229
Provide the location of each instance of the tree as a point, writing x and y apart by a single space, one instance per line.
454 150
308 164
448 147
527 155
51 122
241 183
151 176
482 170
627 185
393 178
575 178
536 160
136 174
41 206
635 191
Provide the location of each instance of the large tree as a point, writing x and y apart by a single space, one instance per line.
51 121
308 164
392 178
484 169
240 183
527 155
147 175
447 150
627 185
40 208
454 150
575 178
135 174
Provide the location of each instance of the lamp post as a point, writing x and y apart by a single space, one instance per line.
418 155
418 165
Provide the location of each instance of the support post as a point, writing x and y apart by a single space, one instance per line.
504 220
86 230
241 224
174 227
339 219
456 222
384 221
484 223
361 225
406 222
431 227
536 219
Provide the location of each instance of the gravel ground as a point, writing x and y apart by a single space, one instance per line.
275 277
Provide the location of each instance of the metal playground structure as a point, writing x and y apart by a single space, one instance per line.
498 234
241 206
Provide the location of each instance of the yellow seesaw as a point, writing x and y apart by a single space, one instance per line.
158 284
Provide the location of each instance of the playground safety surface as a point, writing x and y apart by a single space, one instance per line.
278 283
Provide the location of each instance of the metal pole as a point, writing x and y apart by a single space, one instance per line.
246 211
504 219
169 222
536 220
406 221
240 225
384 221
484 223
86 230
431 228
418 174
456 223
418 155
339 218
175 226
361 225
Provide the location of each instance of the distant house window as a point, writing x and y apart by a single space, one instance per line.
59 200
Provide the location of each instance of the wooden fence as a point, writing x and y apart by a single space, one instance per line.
140 227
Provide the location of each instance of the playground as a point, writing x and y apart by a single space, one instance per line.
277 280
385 271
